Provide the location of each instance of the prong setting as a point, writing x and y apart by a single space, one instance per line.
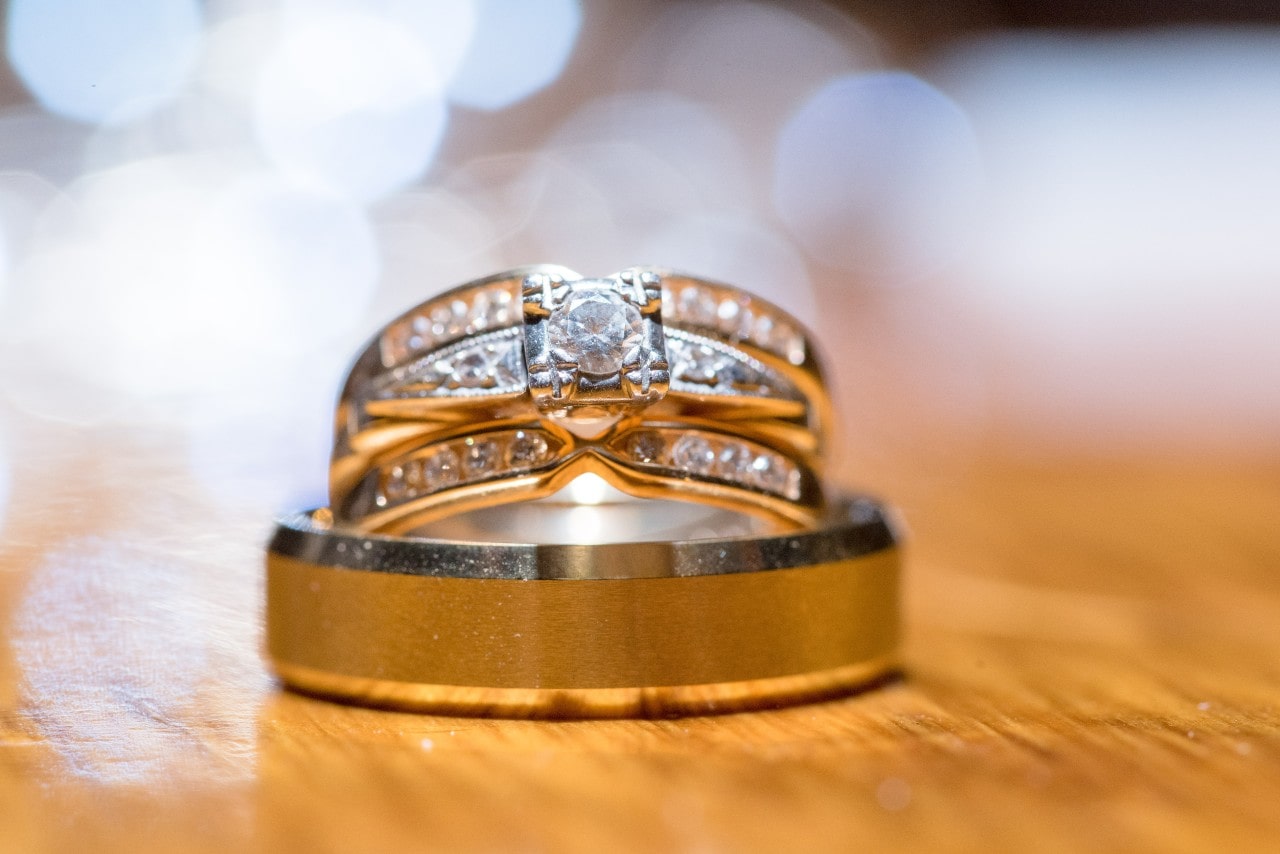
594 348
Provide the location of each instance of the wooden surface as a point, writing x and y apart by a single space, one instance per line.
1093 665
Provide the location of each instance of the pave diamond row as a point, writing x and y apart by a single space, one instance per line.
714 456
735 315
492 363
704 366
462 461
443 321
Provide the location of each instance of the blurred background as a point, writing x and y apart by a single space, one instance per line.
1023 229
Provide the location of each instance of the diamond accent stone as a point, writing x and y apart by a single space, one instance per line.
735 461
461 461
441 469
413 475
395 488
702 367
694 454
698 306
739 462
526 450
480 457
647 447
737 316
701 364
483 366
596 329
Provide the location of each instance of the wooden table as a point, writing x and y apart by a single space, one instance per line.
1093 664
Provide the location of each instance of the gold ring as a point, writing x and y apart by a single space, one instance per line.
711 573
572 631
509 388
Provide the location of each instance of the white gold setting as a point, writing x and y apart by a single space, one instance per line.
594 348
493 363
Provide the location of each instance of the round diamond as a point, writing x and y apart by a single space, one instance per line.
526 450
697 306
735 462
597 329
773 474
646 447
694 454
481 457
394 487
441 469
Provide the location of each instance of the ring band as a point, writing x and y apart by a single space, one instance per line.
508 388
584 631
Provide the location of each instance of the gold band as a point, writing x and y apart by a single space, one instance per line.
722 639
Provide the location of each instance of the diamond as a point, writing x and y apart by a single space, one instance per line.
441 469
478 314
735 462
646 447
728 310
694 454
472 367
500 309
526 450
480 457
440 319
596 328
394 487
412 476
483 365
774 474
703 365
697 306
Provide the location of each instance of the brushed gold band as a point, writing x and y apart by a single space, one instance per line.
577 647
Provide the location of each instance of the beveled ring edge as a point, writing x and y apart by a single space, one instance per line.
855 526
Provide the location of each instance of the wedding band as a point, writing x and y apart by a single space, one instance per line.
509 388
613 629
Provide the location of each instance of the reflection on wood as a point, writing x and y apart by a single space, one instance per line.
1090 665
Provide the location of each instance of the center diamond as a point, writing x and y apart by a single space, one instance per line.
596 328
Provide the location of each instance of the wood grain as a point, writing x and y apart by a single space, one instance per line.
1093 664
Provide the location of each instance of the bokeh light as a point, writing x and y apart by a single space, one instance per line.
352 104
178 275
103 60
878 174
751 62
518 49
1127 233
739 249
261 448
